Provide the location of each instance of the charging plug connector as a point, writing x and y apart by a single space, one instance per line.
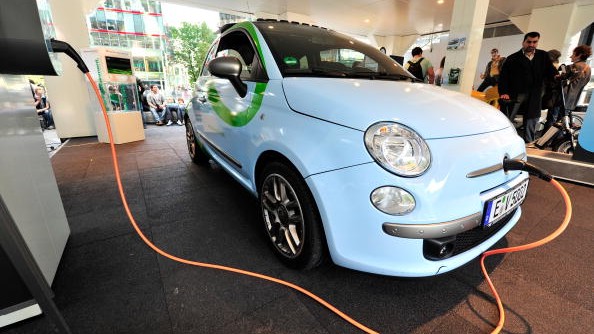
60 46
515 164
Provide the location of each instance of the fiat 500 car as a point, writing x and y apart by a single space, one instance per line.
350 159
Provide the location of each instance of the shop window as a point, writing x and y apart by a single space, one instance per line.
154 66
93 22
143 5
138 24
113 40
138 64
100 18
152 6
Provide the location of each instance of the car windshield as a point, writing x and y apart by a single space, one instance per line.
301 50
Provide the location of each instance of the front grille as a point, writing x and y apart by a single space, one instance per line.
468 239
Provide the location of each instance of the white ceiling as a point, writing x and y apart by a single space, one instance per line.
385 17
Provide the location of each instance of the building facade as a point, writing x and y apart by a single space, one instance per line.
137 26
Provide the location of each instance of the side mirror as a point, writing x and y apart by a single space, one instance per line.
228 68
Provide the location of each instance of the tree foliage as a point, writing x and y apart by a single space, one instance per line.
190 44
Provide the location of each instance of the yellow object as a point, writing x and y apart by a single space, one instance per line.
490 96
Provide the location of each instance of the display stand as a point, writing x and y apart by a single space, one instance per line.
112 69
126 126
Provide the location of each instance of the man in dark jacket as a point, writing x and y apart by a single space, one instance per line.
521 82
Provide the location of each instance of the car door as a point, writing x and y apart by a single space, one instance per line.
225 114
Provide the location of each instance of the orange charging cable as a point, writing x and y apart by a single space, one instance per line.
550 237
294 286
195 263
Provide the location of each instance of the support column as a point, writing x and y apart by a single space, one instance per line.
69 96
468 22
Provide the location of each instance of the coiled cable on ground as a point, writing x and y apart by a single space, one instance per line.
195 263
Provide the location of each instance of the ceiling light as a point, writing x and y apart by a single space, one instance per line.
440 1
366 20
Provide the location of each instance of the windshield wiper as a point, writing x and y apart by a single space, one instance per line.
329 72
379 75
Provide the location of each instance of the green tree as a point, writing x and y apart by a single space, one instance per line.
189 44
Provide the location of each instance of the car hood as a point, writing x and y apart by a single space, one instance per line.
432 111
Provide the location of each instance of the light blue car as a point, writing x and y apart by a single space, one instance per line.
350 159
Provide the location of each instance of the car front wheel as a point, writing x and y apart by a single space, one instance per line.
290 217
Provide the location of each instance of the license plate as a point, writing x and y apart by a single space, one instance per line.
498 207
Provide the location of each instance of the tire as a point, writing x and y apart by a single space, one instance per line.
564 147
197 155
290 217
577 121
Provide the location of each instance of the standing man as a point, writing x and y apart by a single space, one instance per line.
521 81
156 103
491 75
420 67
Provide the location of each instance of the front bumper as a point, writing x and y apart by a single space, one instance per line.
356 231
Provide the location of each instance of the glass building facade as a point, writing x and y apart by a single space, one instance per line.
137 26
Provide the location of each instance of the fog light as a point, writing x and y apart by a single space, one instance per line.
393 200
439 248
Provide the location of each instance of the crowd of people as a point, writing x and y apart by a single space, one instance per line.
528 81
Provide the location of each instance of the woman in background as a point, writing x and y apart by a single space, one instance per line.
577 75
43 108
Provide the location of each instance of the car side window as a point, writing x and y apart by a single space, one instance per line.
237 44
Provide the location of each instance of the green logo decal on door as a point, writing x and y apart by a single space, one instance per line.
237 117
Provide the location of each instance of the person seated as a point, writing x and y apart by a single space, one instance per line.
157 103
175 108
181 110
43 108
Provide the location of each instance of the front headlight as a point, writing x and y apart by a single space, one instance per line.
398 148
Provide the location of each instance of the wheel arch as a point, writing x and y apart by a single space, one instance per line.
267 157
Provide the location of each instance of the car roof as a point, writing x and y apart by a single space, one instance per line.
260 22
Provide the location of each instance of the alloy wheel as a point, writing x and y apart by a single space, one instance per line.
283 216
